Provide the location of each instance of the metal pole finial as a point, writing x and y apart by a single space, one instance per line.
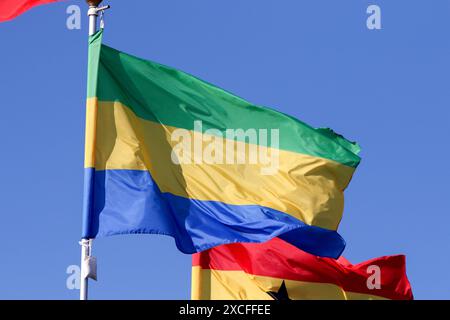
93 11
93 3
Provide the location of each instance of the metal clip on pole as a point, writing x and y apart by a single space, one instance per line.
93 14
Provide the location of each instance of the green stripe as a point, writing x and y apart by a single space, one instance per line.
95 44
165 95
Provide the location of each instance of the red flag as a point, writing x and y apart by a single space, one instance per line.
9 9
277 270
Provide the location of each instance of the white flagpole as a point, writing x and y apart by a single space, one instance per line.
85 253
93 14
93 11
86 244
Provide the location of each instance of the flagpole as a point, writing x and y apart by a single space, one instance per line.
85 253
86 244
93 14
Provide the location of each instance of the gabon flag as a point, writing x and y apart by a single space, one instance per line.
277 270
9 9
168 153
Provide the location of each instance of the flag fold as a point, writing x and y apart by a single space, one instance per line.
9 9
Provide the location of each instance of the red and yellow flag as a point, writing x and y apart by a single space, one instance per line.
278 270
9 9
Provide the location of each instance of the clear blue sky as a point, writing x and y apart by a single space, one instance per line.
316 60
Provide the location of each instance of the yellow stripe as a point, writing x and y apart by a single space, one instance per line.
228 285
238 285
306 187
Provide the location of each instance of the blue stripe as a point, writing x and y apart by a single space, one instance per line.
129 202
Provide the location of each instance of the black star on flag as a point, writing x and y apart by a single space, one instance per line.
282 293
